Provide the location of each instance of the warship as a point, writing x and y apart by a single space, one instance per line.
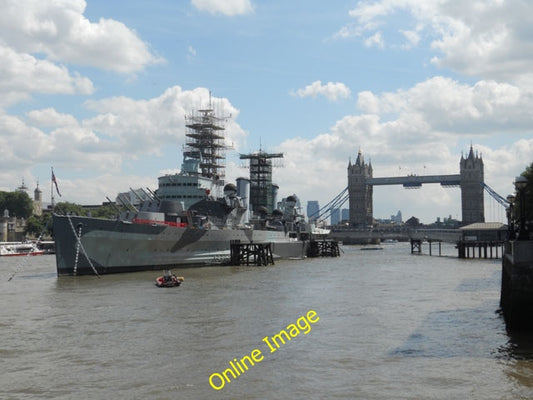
191 219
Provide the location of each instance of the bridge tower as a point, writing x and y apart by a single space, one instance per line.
472 178
360 192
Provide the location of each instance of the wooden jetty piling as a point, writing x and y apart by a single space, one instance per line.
323 248
416 246
485 249
250 253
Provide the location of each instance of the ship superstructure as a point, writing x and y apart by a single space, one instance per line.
203 168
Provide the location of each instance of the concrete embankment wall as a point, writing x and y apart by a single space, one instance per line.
516 298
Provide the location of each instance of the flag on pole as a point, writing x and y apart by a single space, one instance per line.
55 183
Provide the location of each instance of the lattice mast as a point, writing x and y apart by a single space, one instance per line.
205 141
261 190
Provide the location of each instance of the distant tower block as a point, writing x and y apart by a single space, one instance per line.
360 192
472 178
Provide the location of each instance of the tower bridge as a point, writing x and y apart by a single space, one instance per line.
470 180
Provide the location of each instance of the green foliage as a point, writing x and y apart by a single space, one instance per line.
65 208
34 227
39 226
413 221
19 204
106 211
528 193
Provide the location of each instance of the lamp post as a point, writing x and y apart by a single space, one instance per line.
510 219
520 184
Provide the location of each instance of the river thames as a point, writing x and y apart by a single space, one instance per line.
386 325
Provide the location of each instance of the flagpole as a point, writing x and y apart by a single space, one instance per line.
52 188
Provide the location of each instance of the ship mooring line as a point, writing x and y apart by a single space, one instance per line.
33 247
80 246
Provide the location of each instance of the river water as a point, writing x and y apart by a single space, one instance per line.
388 325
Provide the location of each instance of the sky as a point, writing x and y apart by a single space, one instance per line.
98 91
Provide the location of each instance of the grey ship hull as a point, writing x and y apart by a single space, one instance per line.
114 246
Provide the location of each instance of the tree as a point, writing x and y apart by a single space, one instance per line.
106 211
34 227
528 194
69 208
18 204
413 221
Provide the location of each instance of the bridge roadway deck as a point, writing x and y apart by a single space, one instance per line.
417 180
356 236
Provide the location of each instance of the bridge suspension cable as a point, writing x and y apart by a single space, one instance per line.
337 202
500 199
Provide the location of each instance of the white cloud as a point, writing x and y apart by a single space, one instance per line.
413 38
191 54
453 108
407 129
225 7
421 130
23 74
148 126
49 117
484 39
375 40
122 130
59 30
488 39
427 124
332 91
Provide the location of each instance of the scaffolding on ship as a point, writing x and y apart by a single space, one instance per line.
205 141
